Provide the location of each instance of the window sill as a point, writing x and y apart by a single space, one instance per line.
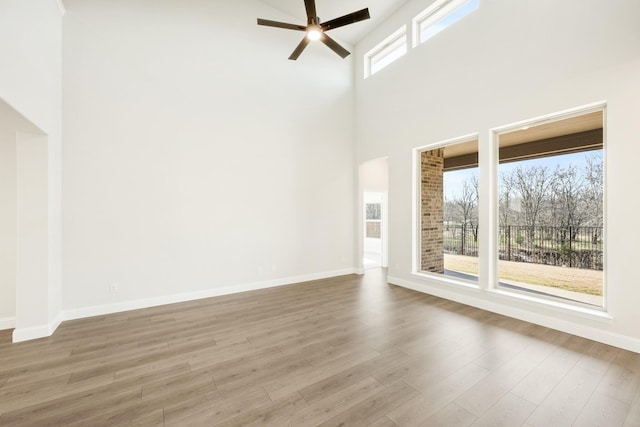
598 314
506 297
446 280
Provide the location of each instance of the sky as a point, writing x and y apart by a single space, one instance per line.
449 19
453 180
399 49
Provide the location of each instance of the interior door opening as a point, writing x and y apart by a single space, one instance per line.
374 213
372 247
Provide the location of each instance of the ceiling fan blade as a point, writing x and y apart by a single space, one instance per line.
310 7
334 46
277 24
296 53
360 15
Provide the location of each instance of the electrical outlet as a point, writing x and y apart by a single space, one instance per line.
113 288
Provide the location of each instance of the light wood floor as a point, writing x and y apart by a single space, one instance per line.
345 351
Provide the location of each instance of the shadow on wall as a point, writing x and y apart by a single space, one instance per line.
23 223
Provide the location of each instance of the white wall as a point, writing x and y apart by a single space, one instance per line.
30 36
8 219
197 158
30 83
24 228
509 61
374 175
32 291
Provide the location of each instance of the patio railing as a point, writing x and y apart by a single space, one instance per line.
579 247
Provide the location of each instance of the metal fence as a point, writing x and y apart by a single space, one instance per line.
579 247
461 239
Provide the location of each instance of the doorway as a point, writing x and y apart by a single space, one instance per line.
372 245
374 213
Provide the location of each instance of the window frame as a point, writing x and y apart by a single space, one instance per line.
432 14
417 212
384 49
487 290
493 229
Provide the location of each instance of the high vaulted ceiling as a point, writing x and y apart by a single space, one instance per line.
330 9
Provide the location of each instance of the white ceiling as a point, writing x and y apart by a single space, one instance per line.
330 9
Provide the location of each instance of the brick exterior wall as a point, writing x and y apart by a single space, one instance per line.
432 211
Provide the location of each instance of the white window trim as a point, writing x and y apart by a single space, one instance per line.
417 213
436 11
488 282
492 201
380 47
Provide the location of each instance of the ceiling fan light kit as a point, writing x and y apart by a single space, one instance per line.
315 30
314 33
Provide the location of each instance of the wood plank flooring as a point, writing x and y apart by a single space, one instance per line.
348 351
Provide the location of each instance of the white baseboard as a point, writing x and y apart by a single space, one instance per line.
35 332
7 323
508 309
55 323
99 310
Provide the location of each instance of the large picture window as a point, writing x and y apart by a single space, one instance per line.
449 209
550 209
538 231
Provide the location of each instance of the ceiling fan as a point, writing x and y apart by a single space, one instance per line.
317 30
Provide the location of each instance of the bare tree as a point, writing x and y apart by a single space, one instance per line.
593 193
474 220
466 206
532 185
505 199
554 206
450 211
467 202
567 190
593 189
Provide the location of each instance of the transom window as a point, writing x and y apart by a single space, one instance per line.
383 54
440 15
